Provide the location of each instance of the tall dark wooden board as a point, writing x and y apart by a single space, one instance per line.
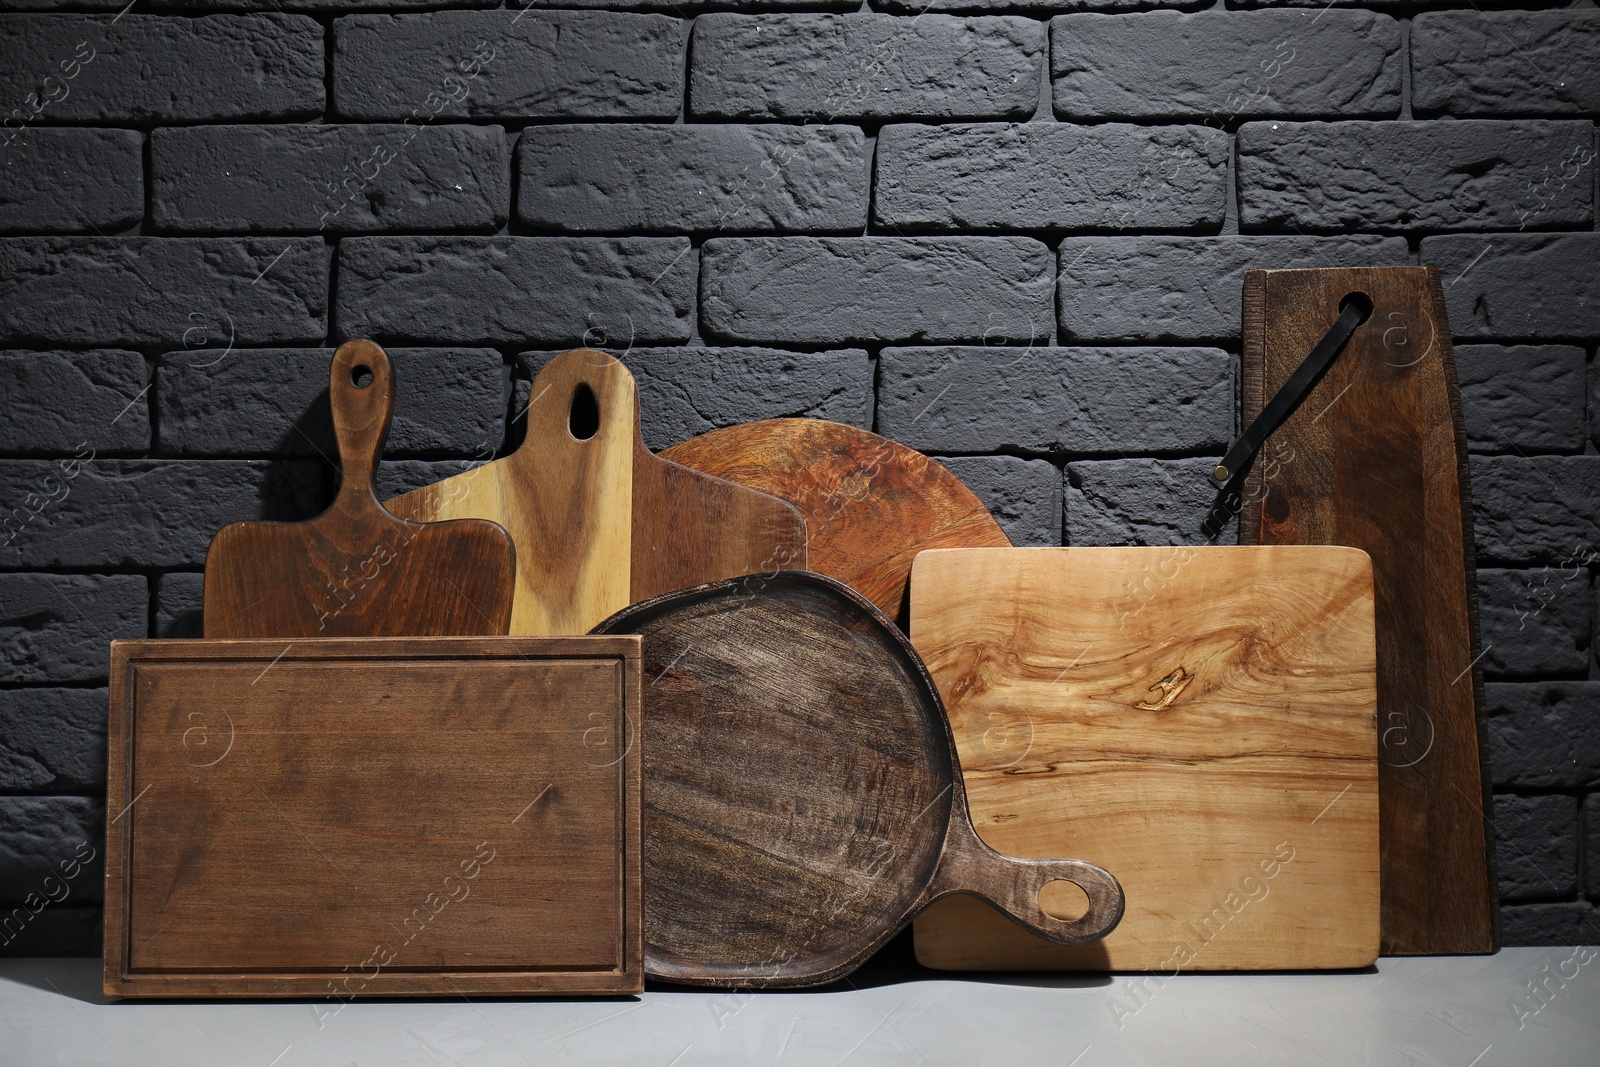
356 570
870 504
802 800
373 816
1375 458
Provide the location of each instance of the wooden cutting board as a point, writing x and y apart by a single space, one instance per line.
1198 720
598 520
356 570
869 503
1376 458
803 798
373 816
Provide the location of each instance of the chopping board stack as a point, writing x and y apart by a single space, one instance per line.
736 714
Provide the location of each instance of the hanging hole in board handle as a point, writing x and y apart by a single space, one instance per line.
1361 302
361 376
1062 899
583 420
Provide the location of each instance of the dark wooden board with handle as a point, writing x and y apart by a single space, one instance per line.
802 798
333 818
1375 458
870 503
356 570
598 520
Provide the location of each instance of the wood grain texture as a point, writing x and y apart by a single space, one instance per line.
1375 458
600 522
802 801
377 816
566 502
356 570
870 504
1199 720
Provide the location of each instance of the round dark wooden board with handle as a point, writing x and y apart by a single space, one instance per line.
802 800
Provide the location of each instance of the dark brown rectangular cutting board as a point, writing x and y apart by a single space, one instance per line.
379 816
1375 458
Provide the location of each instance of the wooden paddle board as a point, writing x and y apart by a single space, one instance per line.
869 503
388 816
1199 720
804 801
357 570
598 520
1376 458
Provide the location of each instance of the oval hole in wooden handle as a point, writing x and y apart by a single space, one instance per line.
583 418
1061 899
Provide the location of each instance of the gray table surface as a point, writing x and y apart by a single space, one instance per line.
1461 1011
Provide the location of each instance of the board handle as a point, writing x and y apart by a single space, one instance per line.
361 393
1013 885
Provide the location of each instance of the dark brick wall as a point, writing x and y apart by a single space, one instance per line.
1007 232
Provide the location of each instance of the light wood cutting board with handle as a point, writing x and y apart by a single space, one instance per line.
1199 720
599 522
1375 457
357 570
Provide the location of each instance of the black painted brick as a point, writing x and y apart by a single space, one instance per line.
1024 495
865 65
1568 923
1187 288
188 291
499 64
1522 398
179 597
67 180
1061 401
1477 174
1493 62
150 513
549 290
1141 502
679 179
1524 286
330 178
1048 175
155 68
58 627
1535 622
1225 65
274 401
1544 735
74 403
1536 846
58 930
1538 509
404 475
832 290
52 740
60 838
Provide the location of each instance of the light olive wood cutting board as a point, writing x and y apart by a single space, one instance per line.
1200 721
598 521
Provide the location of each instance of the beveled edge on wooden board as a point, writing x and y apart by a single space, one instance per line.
1253 397
1362 954
126 654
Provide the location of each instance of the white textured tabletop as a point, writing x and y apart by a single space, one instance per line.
1524 1006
